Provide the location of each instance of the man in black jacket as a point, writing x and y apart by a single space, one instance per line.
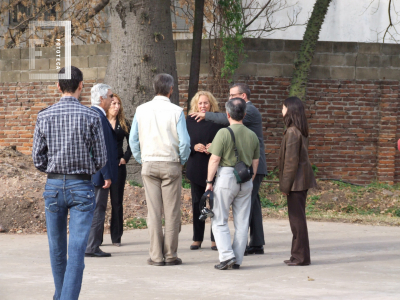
253 121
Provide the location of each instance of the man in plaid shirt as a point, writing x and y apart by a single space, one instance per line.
68 145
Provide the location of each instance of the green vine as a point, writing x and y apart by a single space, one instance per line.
231 33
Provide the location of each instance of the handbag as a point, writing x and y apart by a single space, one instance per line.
241 171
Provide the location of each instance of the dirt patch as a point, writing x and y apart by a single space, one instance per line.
377 203
22 204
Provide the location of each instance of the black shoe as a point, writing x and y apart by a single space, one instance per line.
195 247
175 262
98 253
226 264
235 267
214 248
154 263
254 250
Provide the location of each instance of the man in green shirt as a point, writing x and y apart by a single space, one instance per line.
226 190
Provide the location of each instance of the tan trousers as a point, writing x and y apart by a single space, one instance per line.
162 184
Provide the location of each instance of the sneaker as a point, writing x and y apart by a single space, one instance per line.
226 264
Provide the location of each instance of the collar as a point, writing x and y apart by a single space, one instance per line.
101 109
249 102
163 98
69 98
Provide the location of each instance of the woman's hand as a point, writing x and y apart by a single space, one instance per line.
200 148
122 162
209 187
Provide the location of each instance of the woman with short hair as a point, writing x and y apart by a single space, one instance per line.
121 126
201 135
296 176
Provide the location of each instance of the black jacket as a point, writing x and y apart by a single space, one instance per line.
197 165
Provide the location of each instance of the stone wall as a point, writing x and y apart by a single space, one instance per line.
352 103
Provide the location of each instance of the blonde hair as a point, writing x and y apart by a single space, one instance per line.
121 114
195 100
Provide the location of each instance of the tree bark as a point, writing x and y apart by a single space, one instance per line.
307 49
196 51
141 47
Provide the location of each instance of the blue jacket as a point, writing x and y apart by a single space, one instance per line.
110 170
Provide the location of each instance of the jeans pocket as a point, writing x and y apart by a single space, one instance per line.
50 200
83 200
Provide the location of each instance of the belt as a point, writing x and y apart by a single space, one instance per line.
69 176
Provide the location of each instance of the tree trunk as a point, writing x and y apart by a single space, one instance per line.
196 51
307 49
141 47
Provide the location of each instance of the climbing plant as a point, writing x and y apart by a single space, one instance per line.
231 33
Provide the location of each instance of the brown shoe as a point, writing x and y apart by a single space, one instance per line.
288 261
175 262
154 263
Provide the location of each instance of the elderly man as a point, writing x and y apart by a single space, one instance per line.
101 97
68 144
253 121
160 142
227 191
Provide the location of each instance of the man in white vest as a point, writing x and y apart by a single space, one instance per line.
160 142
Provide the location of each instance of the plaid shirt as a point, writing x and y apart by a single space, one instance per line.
69 139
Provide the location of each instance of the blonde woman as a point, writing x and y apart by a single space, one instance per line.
201 135
121 127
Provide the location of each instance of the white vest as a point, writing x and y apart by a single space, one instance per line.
158 137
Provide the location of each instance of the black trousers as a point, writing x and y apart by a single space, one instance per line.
117 196
300 252
198 226
256 219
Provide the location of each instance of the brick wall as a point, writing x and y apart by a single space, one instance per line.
353 99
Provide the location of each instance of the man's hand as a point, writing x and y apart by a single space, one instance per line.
107 184
122 162
209 187
199 147
198 116
207 146
285 194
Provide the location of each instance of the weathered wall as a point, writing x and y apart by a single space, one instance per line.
353 99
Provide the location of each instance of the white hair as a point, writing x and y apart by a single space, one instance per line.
97 91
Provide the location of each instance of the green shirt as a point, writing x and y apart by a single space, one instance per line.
247 145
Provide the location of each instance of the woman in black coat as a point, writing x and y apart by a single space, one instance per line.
201 135
121 127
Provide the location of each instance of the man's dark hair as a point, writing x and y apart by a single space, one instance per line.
236 107
243 88
296 115
162 84
70 85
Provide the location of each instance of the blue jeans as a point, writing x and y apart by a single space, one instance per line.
77 196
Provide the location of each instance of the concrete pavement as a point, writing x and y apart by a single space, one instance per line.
348 262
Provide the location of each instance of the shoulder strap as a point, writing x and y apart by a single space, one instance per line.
234 143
